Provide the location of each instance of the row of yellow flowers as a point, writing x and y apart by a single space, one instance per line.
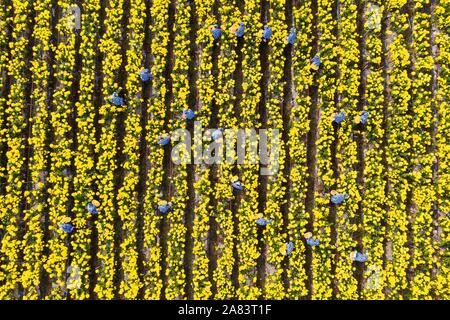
299 127
229 116
247 248
110 47
61 156
127 195
399 131
84 158
10 270
349 55
203 209
424 193
36 199
156 110
328 23
274 238
375 170
178 185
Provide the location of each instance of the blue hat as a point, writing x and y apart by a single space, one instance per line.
66 227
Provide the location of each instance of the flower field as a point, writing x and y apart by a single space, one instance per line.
93 205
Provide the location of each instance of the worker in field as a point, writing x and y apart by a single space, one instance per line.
164 206
339 117
93 207
338 198
116 100
287 248
310 241
263 222
188 114
145 75
65 225
236 184
215 31
267 33
362 118
315 63
217 134
238 30
292 37
358 257
164 139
